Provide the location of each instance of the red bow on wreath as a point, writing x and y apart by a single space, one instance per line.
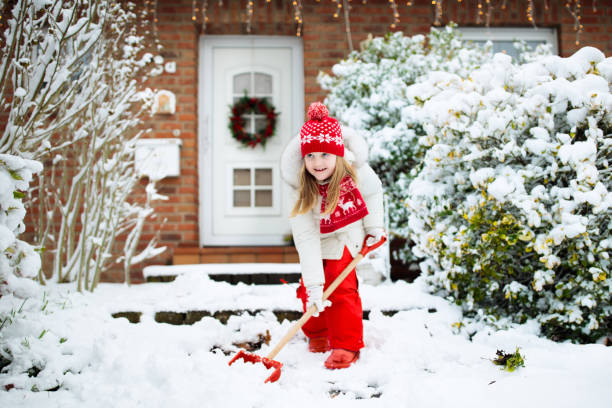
257 106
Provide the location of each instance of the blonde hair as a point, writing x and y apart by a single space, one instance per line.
309 188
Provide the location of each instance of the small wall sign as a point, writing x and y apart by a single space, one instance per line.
164 103
170 67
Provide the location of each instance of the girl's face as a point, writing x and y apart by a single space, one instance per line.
320 165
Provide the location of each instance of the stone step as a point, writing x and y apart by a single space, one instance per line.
193 316
370 270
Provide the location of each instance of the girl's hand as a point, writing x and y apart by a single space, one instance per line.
315 297
376 235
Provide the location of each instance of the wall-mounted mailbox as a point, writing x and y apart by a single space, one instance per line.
158 158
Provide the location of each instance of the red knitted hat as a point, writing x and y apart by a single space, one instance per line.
321 133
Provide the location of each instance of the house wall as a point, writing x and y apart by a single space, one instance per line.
325 43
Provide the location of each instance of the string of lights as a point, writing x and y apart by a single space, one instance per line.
396 16
484 12
575 9
249 11
438 13
297 16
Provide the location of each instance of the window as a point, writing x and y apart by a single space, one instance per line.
257 85
253 189
503 37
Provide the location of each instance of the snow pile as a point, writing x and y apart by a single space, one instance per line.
18 260
66 350
512 207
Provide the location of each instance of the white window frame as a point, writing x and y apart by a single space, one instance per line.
493 34
252 93
275 187
272 97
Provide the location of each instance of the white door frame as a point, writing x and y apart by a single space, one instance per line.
207 44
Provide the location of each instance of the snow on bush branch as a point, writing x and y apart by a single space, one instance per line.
512 207
18 259
70 82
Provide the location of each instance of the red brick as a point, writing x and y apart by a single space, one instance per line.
162 135
188 190
188 143
170 125
187 117
189 237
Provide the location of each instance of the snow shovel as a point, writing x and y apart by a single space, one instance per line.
269 361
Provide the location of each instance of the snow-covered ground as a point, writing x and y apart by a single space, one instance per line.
416 358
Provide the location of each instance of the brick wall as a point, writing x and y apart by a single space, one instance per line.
325 42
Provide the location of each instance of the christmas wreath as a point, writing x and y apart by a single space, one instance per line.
257 106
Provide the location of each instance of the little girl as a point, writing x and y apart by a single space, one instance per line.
338 201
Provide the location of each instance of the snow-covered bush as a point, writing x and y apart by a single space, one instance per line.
512 207
71 82
18 260
40 350
368 92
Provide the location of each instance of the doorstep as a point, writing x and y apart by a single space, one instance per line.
234 273
235 254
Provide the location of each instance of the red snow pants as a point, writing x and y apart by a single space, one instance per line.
342 322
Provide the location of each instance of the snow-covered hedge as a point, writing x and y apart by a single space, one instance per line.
512 207
18 259
367 91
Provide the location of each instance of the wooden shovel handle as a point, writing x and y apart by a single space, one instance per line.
298 325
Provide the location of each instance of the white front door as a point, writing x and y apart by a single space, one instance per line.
243 201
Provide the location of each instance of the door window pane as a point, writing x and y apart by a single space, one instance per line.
263 198
242 83
242 198
252 187
260 124
242 177
263 177
263 83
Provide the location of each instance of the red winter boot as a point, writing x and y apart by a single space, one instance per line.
340 358
318 345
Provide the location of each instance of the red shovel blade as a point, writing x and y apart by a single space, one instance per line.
251 358
268 363
277 369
